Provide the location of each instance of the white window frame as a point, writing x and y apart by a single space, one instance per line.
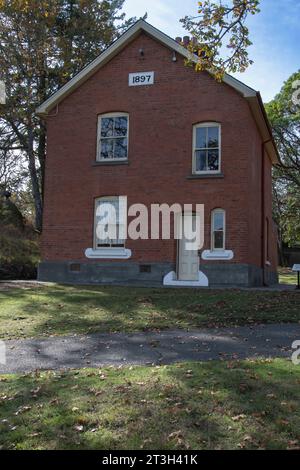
106 252
195 127
99 138
217 254
104 199
223 212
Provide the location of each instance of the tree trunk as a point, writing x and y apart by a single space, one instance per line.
36 191
42 155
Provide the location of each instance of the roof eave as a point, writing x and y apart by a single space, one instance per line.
113 50
264 126
89 70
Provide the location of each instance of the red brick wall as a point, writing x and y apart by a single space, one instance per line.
272 238
160 155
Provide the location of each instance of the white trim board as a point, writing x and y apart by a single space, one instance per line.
217 255
171 280
142 26
108 253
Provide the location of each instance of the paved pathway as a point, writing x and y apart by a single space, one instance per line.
78 351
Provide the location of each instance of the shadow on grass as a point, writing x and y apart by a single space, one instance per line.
255 404
128 410
197 406
63 310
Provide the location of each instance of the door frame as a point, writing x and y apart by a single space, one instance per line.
179 241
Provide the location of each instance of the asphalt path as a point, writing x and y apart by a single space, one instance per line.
157 348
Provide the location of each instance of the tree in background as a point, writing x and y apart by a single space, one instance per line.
13 168
43 43
221 26
284 115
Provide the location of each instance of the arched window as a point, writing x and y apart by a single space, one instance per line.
218 230
207 148
112 145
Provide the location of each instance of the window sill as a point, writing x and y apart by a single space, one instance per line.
118 162
205 175
108 253
217 255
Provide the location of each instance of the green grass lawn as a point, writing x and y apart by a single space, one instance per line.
215 405
287 276
59 310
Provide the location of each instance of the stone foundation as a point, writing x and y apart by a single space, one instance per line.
148 274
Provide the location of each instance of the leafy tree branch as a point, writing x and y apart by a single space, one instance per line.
221 26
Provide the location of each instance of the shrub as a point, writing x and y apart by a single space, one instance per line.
19 252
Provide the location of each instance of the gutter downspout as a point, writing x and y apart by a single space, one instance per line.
263 212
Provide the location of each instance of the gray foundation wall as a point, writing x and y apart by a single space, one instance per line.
271 278
238 275
122 273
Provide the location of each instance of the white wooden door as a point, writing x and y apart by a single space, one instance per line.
188 260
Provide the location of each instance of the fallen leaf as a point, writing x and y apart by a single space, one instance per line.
78 428
175 435
293 443
34 434
23 409
238 417
55 401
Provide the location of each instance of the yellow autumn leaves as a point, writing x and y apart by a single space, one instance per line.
27 5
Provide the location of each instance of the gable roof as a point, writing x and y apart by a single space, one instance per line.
251 95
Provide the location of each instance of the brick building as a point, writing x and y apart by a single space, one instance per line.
138 122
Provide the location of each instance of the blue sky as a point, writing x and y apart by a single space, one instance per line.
275 33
